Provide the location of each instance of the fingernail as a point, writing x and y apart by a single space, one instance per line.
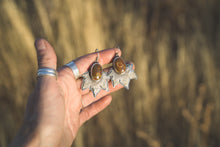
40 45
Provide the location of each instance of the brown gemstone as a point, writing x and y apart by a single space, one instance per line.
119 65
96 71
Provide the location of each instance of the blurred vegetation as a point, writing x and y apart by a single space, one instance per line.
175 46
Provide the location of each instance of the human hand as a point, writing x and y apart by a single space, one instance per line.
54 111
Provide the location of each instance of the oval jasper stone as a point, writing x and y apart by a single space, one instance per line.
119 65
96 71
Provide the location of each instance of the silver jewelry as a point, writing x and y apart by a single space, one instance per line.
74 68
121 73
46 71
95 79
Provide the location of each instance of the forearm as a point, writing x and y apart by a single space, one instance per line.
33 136
26 136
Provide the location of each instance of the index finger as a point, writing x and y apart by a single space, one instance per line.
105 57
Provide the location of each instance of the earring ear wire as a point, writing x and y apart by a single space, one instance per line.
97 58
116 46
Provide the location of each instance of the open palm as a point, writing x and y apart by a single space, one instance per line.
58 107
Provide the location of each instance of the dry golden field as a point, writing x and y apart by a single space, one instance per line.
175 46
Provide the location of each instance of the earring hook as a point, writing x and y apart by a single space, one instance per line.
116 53
117 46
97 58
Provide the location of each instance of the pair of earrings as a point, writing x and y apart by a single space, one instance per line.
96 79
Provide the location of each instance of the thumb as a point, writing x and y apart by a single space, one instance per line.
45 54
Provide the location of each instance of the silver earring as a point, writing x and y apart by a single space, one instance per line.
121 73
95 79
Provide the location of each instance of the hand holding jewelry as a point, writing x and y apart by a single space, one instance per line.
58 103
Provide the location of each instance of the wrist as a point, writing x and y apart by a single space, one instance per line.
26 136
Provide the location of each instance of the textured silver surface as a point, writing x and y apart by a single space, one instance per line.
124 78
95 86
46 71
74 68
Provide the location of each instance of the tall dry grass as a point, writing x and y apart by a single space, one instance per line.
174 44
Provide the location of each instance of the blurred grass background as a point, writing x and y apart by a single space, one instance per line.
175 46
